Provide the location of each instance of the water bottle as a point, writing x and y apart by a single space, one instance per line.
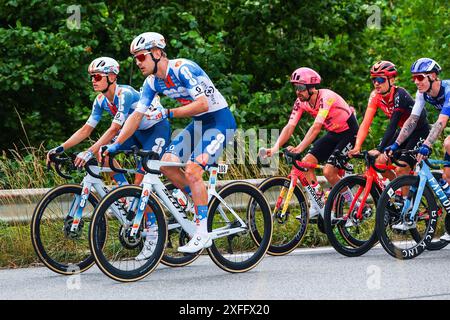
180 197
445 187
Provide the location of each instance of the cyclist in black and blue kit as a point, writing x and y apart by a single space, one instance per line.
119 101
202 142
436 92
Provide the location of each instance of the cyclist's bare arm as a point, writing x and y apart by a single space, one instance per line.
79 136
436 130
408 127
130 126
309 138
285 134
106 137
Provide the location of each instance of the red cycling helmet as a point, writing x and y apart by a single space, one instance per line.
383 68
305 76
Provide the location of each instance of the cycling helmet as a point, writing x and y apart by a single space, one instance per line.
425 65
305 76
383 68
146 41
104 65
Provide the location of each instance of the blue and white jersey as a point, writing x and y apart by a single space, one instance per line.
125 101
185 81
441 102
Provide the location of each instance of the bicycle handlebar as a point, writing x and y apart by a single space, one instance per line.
59 161
146 155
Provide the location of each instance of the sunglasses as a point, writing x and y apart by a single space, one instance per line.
419 77
300 87
141 57
380 80
97 77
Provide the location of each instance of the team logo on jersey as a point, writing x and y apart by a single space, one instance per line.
330 101
323 113
178 63
209 91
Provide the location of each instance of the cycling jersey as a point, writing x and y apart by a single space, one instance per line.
441 102
397 106
330 110
124 103
185 81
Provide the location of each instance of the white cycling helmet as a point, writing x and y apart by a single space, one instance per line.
104 65
146 41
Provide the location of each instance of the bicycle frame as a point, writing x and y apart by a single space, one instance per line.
79 203
426 177
153 184
295 178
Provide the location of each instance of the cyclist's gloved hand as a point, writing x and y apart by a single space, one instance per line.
83 157
425 150
57 150
159 113
391 149
111 148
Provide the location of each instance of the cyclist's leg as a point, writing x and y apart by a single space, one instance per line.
215 132
179 151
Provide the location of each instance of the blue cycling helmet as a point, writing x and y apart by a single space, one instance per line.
425 65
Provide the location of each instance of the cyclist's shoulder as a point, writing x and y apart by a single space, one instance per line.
330 97
177 64
127 90
446 85
99 99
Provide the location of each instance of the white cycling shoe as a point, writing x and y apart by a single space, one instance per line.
149 245
403 226
445 237
198 242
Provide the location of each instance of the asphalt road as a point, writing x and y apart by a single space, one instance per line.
318 273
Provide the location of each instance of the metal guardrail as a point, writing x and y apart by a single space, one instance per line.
17 205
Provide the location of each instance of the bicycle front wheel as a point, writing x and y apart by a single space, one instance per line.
347 234
61 250
400 237
239 252
118 257
288 228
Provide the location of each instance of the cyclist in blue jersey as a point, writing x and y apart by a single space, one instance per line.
202 142
119 101
431 89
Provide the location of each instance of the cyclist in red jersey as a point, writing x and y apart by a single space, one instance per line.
396 104
331 112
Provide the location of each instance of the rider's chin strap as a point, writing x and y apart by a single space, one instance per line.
155 69
109 84
389 89
431 84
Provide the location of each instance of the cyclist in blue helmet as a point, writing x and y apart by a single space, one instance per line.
431 89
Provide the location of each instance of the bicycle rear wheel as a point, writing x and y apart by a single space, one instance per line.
177 237
405 244
117 258
62 251
239 252
350 236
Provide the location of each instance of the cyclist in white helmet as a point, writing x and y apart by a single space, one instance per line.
119 101
185 81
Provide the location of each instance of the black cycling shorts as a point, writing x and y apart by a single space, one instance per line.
344 141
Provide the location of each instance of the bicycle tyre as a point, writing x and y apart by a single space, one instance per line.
256 199
37 236
392 247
